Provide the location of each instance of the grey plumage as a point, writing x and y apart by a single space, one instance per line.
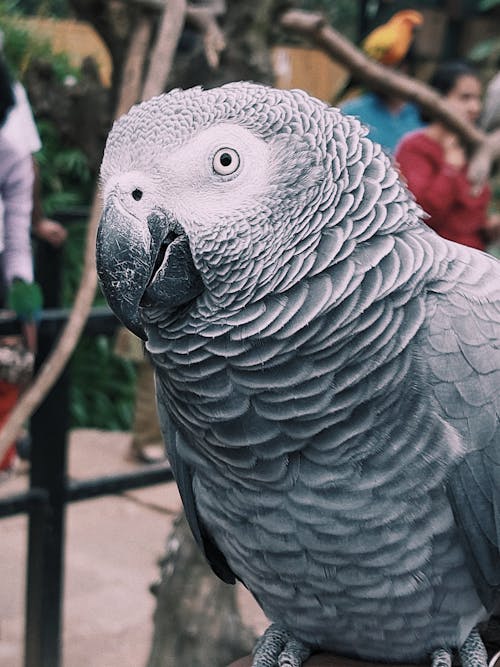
328 368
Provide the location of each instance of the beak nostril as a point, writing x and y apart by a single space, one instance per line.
137 194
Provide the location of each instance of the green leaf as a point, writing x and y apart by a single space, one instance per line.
25 299
485 5
103 386
484 50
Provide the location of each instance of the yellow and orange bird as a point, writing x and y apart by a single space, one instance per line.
389 43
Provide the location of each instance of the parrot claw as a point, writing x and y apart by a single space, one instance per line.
277 648
472 653
441 658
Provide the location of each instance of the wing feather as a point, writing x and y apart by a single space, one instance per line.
183 477
464 363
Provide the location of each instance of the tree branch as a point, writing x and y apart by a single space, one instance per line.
204 19
134 64
483 159
58 358
162 57
379 77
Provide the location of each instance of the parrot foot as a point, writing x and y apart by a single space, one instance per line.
441 658
473 653
277 648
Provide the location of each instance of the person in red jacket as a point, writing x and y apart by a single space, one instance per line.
433 162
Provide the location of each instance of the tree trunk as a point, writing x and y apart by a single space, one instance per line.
163 52
197 622
134 64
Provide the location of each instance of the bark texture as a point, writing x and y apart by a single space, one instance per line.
196 621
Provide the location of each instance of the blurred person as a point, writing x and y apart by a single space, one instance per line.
20 130
434 162
388 117
20 127
17 289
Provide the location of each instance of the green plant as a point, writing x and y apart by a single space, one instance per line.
66 178
21 45
343 14
100 399
102 385
487 50
484 5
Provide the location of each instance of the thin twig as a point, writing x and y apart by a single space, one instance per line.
58 358
162 57
214 42
379 77
132 71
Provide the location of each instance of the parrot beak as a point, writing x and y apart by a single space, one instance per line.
143 265
121 267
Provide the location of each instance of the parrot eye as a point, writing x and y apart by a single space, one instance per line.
226 161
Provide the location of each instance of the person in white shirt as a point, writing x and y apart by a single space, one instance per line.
16 198
16 262
21 130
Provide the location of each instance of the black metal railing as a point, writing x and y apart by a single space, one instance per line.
50 490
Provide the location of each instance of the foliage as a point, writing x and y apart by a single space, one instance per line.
102 387
66 178
485 5
101 399
21 46
59 8
342 14
487 50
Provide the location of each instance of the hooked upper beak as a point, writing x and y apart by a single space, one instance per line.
143 264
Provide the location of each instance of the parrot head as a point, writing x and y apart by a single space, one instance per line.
213 198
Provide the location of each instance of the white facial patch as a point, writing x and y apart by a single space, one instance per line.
220 171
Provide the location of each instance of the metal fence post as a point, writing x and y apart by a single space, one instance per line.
44 585
48 428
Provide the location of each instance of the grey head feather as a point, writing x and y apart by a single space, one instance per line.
332 188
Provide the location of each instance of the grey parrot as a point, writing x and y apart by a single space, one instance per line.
327 370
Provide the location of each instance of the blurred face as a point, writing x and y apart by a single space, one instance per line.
465 97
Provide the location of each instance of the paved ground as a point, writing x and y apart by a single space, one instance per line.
113 544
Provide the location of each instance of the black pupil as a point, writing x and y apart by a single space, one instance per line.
225 159
137 194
